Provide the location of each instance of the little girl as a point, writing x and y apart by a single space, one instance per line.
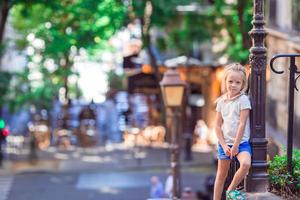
233 130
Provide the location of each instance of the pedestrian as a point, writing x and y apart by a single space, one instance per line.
108 120
157 189
201 130
169 185
188 194
232 130
4 132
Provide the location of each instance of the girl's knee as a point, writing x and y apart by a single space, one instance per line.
245 166
245 160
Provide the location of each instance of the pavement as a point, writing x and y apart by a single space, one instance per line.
117 156
262 196
5 185
108 185
110 172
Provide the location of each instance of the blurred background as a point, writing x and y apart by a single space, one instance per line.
79 90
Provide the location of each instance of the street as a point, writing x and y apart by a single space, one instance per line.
95 173
129 185
5 184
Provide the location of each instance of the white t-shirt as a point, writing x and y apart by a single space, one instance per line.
230 111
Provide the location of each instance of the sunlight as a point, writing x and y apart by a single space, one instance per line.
61 156
92 80
96 159
109 190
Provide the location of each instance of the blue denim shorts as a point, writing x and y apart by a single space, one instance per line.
245 146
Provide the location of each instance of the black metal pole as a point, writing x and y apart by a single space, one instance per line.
179 143
33 149
257 179
291 115
174 163
175 149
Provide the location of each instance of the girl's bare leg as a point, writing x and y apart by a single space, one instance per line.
222 171
245 163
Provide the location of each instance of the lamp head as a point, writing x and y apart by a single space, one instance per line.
172 88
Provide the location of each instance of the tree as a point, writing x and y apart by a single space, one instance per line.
4 82
233 19
154 13
116 82
5 8
66 28
223 21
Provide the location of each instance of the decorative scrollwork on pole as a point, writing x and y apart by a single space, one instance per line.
292 86
296 82
293 66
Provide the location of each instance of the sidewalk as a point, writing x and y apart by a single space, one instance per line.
111 172
262 196
110 160
109 157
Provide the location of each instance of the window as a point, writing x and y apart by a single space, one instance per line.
271 6
296 15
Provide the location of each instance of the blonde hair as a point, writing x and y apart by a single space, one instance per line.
235 67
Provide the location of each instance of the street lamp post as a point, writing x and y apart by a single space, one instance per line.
257 179
172 90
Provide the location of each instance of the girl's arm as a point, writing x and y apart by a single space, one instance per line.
219 133
244 114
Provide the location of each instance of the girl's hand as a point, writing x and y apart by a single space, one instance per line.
234 151
227 150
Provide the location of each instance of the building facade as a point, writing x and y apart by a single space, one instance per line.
283 37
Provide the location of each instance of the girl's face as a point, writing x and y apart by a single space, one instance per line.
234 83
